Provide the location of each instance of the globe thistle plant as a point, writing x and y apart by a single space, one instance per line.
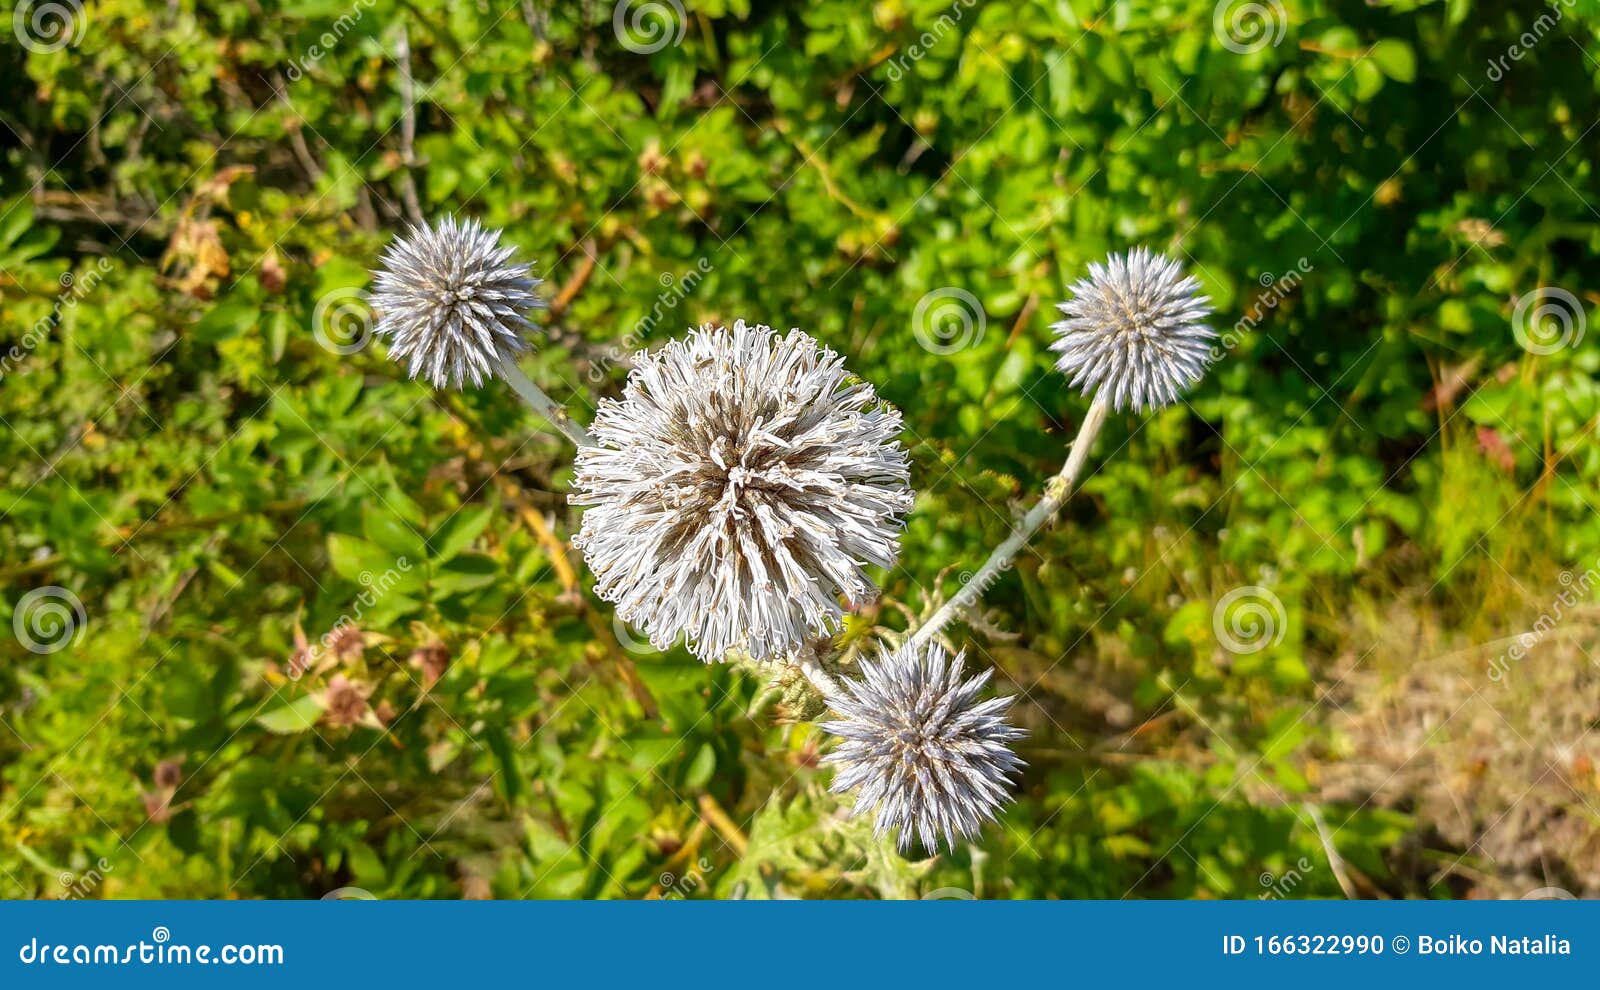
1135 334
929 757
451 304
738 490
1134 330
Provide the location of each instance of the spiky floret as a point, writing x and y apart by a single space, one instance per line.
1135 328
738 490
450 304
931 758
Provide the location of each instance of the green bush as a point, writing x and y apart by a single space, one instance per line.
197 449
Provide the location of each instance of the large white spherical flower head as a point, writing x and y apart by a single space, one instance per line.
450 304
738 490
926 754
1135 330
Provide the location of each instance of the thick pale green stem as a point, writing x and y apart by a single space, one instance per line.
1056 492
825 685
542 404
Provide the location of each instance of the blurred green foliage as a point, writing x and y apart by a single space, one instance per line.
1362 189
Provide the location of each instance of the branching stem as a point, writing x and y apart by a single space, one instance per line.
1056 492
539 402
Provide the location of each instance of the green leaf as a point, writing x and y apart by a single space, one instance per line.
297 716
1396 59
460 530
226 320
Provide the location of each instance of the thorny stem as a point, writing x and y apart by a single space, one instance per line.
1056 491
542 404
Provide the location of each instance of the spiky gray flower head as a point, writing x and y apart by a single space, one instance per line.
1135 327
738 489
924 751
450 304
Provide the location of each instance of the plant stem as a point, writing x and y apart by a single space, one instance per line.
819 678
1056 491
542 404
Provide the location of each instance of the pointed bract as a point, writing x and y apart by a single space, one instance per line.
920 747
738 490
451 305
1135 329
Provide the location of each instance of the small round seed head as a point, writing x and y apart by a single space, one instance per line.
1136 328
924 751
450 305
738 489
